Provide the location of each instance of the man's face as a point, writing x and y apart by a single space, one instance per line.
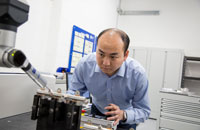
110 52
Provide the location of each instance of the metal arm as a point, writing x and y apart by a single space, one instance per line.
14 13
18 59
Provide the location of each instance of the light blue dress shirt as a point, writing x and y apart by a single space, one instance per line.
127 88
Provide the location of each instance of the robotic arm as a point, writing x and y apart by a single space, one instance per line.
14 13
53 110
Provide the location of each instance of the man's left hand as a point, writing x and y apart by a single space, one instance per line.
115 112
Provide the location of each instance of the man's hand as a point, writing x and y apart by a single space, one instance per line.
115 112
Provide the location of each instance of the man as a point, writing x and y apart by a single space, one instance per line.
117 83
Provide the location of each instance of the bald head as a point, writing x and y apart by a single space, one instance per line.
121 33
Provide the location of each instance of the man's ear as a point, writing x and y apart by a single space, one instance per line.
126 55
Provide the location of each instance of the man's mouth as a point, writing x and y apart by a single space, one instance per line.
106 68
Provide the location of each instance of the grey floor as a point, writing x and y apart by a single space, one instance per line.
23 122
149 124
19 122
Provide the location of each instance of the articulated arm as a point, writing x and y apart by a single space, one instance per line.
14 13
18 59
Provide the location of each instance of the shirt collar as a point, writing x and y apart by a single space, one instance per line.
120 72
97 69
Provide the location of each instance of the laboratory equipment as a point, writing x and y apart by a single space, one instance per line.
178 111
94 122
57 110
52 110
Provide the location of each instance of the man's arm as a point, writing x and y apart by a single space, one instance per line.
140 110
77 82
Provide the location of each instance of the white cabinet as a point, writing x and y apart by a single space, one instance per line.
155 76
141 55
164 69
173 69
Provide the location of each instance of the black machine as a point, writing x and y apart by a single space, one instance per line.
55 111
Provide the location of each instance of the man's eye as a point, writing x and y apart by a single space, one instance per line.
101 54
112 57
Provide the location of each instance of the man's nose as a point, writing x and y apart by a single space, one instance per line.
106 61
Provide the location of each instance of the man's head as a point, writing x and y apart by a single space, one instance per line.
112 50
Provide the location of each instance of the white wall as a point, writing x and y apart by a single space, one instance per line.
177 26
45 38
32 36
91 15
